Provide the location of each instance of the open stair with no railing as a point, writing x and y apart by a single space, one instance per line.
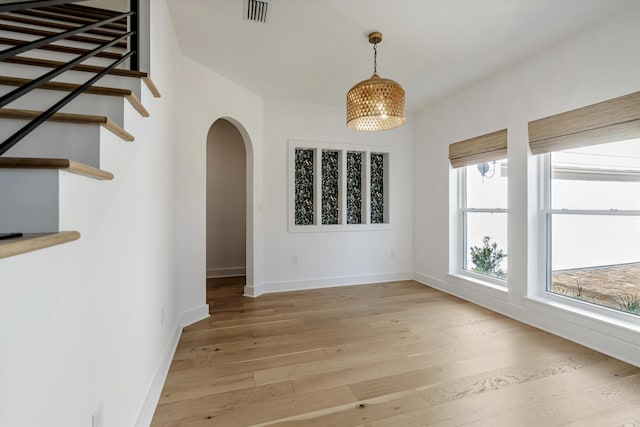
35 76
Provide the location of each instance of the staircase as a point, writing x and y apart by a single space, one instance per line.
56 122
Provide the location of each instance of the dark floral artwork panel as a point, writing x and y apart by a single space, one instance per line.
377 188
330 187
354 187
304 186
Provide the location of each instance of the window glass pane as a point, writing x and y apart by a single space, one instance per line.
304 186
596 258
354 187
377 188
486 244
487 185
605 176
330 186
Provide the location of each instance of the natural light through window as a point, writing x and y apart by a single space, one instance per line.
593 224
483 216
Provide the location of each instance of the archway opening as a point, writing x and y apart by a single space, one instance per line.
227 205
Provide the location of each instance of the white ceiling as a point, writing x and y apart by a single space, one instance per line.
315 50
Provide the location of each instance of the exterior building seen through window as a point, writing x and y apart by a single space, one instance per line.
592 224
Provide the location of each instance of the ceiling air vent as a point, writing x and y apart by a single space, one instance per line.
256 10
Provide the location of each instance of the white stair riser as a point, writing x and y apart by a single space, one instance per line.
41 100
70 43
56 21
44 27
55 140
66 57
33 200
31 72
29 201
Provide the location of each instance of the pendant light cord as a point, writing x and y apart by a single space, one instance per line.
375 58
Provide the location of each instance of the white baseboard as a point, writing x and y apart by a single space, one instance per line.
571 326
193 315
325 282
153 395
252 291
213 273
186 318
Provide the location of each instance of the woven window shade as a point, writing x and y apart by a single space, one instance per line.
485 148
613 120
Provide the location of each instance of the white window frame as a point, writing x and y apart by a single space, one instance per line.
546 223
342 149
463 210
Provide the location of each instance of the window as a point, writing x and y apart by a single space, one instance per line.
337 187
591 204
483 213
593 224
482 206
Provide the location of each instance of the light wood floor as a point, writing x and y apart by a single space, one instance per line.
393 354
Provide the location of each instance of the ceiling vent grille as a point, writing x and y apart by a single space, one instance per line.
256 10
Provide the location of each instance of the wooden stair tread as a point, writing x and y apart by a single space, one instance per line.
23 60
60 164
71 7
82 119
46 33
57 25
93 15
33 241
95 90
66 18
60 48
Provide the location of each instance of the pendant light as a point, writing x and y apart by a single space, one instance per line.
376 103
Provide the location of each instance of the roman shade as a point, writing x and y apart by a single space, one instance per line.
608 121
485 148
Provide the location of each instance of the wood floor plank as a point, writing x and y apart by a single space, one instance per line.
571 407
478 371
219 403
353 414
473 409
387 354
259 412
327 365
406 364
176 390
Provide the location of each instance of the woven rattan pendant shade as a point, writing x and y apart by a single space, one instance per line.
376 103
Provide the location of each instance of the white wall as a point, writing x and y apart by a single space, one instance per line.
202 98
331 258
226 201
600 63
81 323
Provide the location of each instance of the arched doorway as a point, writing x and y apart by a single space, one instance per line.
228 231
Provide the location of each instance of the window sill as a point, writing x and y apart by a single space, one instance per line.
606 321
493 289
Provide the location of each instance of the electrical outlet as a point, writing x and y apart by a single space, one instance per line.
294 260
162 315
97 418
